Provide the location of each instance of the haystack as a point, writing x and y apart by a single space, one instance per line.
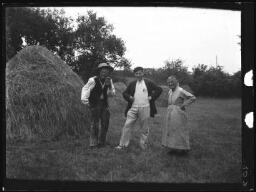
117 103
43 97
162 101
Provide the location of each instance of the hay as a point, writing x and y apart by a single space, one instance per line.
162 101
43 97
117 103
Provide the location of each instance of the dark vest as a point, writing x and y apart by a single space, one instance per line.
96 92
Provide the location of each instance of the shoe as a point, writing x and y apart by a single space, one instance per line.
172 152
183 153
100 145
119 147
143 148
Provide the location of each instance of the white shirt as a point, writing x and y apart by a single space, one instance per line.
141 95
86 90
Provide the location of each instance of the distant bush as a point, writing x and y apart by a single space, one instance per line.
187 88
212 82
119 79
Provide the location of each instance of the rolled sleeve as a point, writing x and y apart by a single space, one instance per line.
112 89
189 98
86 90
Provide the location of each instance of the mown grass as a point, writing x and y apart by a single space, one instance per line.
215 155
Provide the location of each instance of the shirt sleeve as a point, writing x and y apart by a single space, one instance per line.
111 91
189 98
86 90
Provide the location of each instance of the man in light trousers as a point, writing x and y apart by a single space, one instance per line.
140 94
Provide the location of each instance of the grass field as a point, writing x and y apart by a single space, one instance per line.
215 156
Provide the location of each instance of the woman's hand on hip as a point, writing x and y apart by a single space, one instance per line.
131 98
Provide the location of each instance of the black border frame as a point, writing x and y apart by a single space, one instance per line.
247 51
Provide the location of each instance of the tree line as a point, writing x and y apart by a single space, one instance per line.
202 81
92 41
82 47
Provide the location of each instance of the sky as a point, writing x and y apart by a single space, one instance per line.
153 35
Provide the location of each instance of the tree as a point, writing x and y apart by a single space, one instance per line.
17 25
197 72
59 33
236 84
95 43
82 49
124 64
49 28
213 82
177 69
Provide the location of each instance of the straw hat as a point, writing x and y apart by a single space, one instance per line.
104 65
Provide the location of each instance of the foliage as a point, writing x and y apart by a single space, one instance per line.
214 82
82 49
174 67
203 81
95 43
177 69
236 84
36 26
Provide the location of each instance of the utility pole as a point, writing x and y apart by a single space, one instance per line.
216 61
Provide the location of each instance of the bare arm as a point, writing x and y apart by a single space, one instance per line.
111 90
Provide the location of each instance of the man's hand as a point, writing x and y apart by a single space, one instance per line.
131 98
110 94
87 104
107 81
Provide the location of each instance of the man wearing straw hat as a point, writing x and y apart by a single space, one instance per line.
95 96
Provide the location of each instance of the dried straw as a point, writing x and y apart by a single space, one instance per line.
43 97
162 101
117 103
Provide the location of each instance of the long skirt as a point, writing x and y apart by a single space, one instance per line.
175 133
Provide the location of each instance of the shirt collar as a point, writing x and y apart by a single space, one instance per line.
175 88
142 81
102 84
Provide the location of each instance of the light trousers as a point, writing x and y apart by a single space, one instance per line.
141 113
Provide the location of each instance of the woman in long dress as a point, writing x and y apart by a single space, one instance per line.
175 135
